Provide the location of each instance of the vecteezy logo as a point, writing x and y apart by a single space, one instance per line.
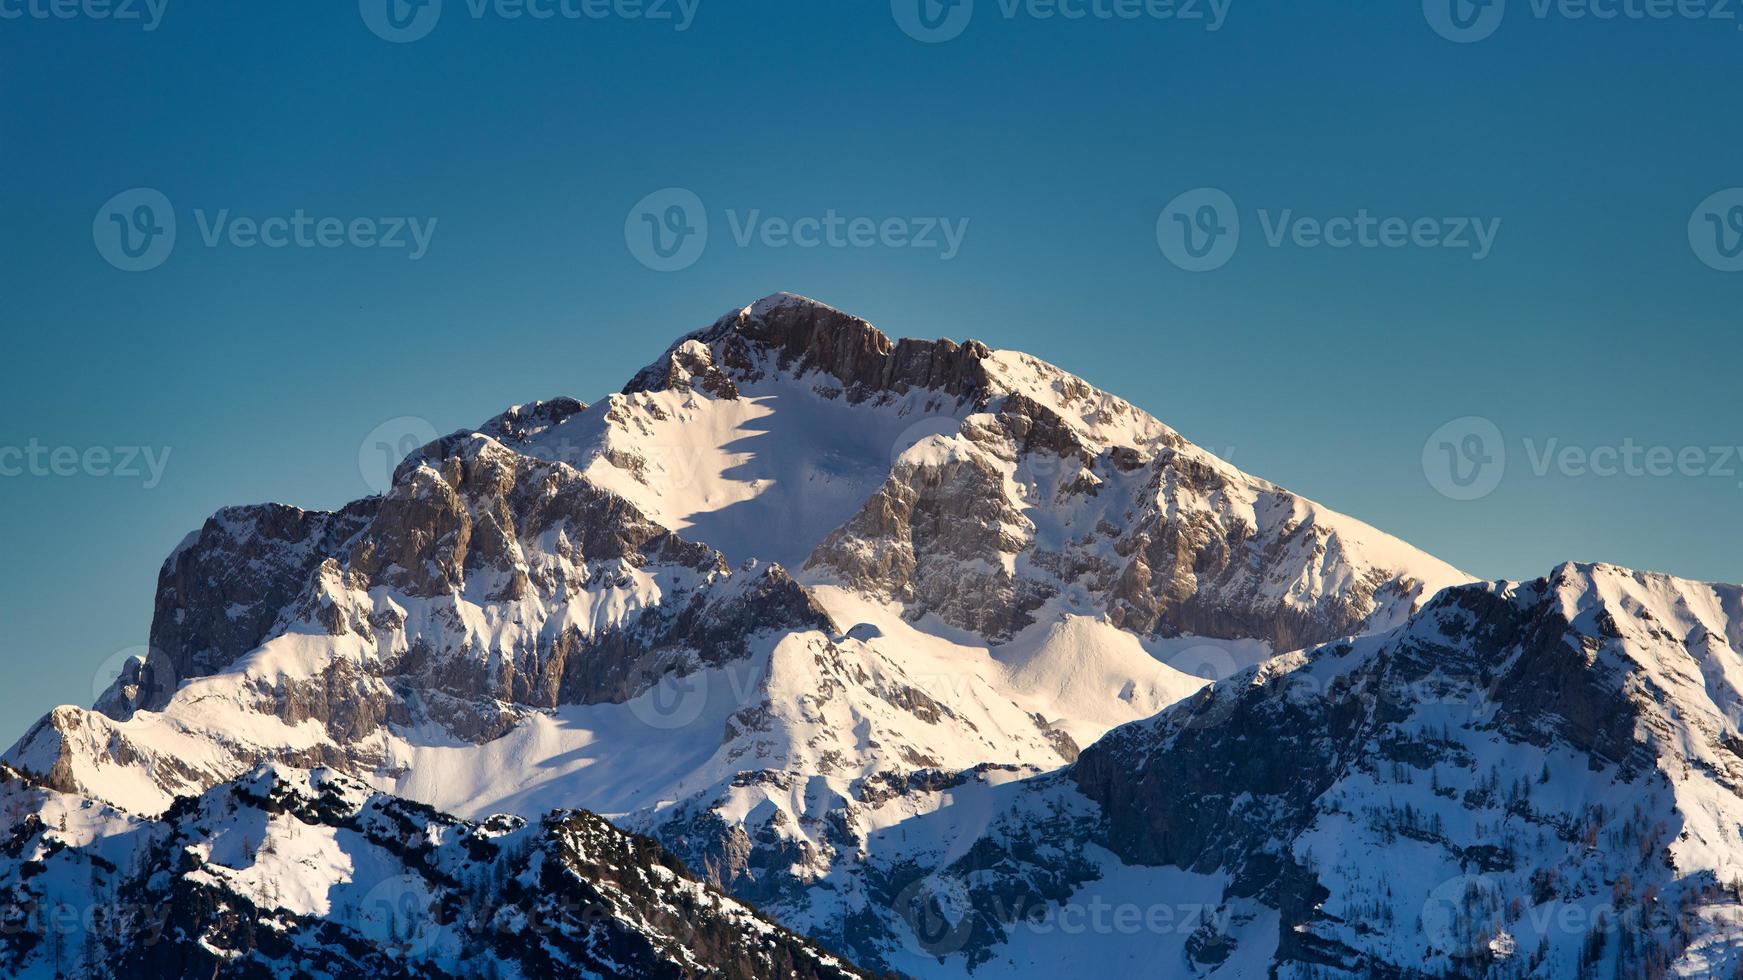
947 426
1464 21
1465 458
668 701
402 912
387 445
932 21
936 914
1199 230
136 230
1210 663
1206 661
667 230
1716 230
139 676
1462 914
400 21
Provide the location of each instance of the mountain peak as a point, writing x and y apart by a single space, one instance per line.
783 299
993 562
793 335
523 422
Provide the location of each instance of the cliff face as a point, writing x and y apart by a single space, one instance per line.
1003 482
796 585
1534 779
794 336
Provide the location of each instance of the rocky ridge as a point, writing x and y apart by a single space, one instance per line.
993 563
1536 779
286 873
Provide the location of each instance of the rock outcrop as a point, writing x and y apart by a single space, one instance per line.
286 872
795 588
1526 779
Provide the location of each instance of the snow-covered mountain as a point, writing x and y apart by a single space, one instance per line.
1539 779
288 873
780 604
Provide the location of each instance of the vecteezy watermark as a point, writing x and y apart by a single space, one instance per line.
1095 915
932 21
937 915
668 231
104 462
135 231
401 912
1464 21
936 21
1208 661
1200 230
301 230
943 426
672 694
934 915
1716 230
139 676
1462 914
1475 235
832 230
400 21
1634 460
403 21
669 700
140 925
416 917
1473 915
148 14
386 445
1466 459
1469 21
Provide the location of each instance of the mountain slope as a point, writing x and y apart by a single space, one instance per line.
898 466
1527 779
299 874
796 587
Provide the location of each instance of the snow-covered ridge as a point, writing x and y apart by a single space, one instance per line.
290 873
796 587
790 413
1527 779
1522 755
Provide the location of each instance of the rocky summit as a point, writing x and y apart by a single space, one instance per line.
814 653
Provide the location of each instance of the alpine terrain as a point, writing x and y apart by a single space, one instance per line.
813 653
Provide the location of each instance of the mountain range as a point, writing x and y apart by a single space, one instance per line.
814 653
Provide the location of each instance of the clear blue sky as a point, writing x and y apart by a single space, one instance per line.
1592 321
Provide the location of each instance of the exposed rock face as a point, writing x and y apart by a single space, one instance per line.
522 422
542 612
143 682
1162 539
287 872
470 522
592 603
1527 779
797 336
1476 643
1194 562
1592 706
941 538
222 591
1035 485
